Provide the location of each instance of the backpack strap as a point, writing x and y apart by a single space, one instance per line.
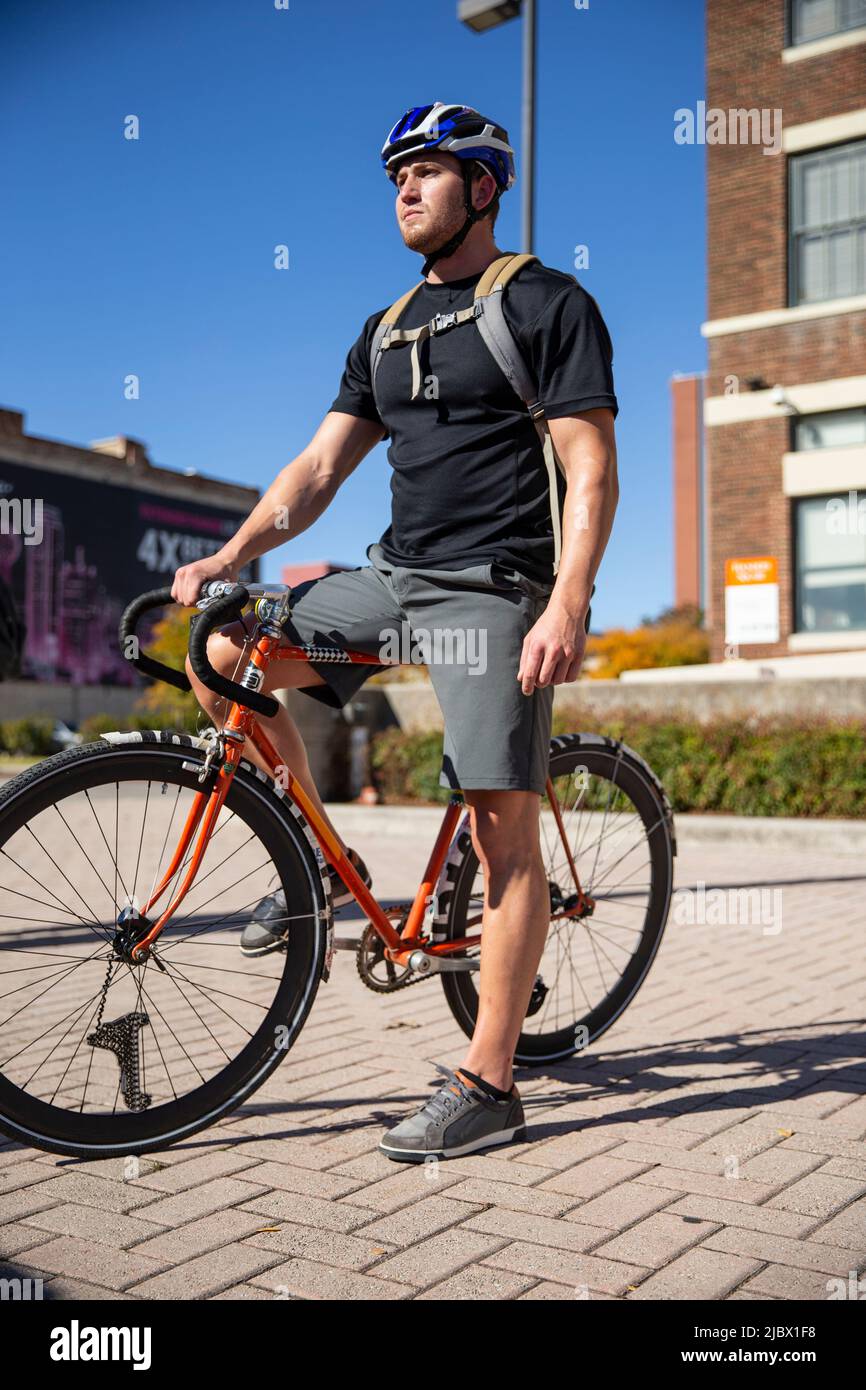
497 335
387 335
382 332
494 329
487 311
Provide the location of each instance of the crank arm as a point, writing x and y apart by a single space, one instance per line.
423 964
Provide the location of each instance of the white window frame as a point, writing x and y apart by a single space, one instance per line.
798 229
848 15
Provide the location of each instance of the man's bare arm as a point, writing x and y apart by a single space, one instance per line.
553 649
586 445
295 499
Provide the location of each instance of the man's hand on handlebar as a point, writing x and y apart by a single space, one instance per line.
189 579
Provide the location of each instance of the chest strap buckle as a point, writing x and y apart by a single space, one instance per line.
442 321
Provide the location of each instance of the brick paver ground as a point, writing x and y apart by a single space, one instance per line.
709 1146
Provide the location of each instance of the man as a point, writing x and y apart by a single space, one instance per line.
470 548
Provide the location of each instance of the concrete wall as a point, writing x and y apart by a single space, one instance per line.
71 703
585 703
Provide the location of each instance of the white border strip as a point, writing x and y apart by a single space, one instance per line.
840 393
826 641
808 472
831 130
818 47
774 318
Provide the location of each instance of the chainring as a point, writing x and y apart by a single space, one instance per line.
370 958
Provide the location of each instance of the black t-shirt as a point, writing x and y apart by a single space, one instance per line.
469 483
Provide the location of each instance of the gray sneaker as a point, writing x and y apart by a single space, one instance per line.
268 927
459 1119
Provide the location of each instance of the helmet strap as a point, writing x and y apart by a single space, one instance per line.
472 217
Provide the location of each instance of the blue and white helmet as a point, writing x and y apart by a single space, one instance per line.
457 130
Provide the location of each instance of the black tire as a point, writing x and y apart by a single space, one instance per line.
276 828
619 767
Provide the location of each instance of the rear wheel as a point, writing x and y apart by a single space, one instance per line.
619 827
100 1056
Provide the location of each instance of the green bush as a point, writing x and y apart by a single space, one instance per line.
406 766
746 768
99 724
30 737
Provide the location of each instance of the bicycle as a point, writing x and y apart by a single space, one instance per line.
196 1027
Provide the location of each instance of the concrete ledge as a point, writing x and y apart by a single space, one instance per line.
586 703
773 832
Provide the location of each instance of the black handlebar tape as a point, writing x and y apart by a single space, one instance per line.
224 610
157 598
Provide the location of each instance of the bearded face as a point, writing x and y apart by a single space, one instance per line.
430 200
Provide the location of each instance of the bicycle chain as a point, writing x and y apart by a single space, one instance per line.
101 1010
365 970
120 1036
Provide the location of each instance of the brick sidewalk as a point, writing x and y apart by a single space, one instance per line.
709 1146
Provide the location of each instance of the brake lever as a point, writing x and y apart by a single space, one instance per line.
218 589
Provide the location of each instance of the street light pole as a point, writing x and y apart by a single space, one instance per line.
528 202
482 15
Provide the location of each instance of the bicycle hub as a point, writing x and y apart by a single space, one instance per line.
132 926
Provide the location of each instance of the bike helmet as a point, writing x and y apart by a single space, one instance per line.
457 130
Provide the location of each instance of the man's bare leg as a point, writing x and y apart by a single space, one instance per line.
227 654
515 923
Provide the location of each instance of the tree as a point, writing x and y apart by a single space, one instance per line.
674 638
169 644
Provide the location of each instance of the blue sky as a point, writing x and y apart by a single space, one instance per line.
262 126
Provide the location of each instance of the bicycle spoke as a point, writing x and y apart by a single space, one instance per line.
70 912
84 961
190 1012
111 893
587 817
208 993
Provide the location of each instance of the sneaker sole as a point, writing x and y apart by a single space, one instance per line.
278 945
419 1155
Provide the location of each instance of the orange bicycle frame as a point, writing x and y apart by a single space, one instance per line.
242 723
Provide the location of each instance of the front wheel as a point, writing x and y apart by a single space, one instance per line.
618 825
101 1056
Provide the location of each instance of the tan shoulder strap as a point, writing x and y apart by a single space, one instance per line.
494 330
383 330
391 315
500 271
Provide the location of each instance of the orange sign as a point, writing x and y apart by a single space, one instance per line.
752 569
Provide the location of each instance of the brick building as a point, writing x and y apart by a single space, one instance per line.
784 400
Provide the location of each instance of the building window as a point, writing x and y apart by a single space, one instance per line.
831 563
834 429
828 223
818 19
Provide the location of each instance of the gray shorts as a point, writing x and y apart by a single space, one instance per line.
468 627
